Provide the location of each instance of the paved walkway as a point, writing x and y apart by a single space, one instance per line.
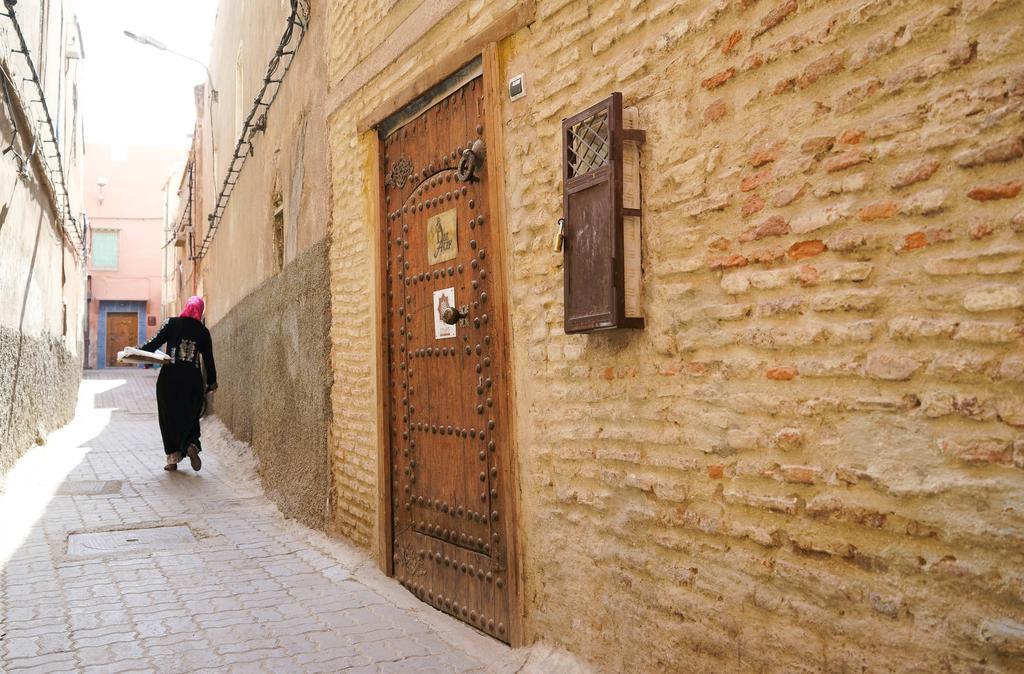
219 582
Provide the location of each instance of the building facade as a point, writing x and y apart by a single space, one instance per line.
807 458
41 223
810 456
258 166
125 191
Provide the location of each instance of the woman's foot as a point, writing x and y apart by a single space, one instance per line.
193 456
172 461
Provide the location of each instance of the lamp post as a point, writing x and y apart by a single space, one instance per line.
157 44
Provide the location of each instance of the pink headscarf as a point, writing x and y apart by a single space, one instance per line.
193 308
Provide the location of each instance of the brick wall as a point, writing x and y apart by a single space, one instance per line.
811 457
357 27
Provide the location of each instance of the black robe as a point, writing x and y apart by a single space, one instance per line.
179 387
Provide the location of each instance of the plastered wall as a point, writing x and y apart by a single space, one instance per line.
289 164
267 293
271 352
811 458
41 272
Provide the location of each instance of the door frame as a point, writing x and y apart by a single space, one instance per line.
116 306
129 315
509 489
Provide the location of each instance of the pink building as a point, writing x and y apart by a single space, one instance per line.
125 202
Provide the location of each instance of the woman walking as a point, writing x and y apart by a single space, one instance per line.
179 387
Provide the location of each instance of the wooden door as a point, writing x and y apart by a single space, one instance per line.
122 331
449 481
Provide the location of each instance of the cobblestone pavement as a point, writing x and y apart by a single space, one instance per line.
252 592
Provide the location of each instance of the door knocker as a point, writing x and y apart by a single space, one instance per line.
472 160
451 315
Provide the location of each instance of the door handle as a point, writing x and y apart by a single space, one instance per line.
472 159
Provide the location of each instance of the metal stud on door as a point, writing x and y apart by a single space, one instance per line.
445 365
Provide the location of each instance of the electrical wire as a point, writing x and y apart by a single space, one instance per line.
54 175
256 120
21 161
186 215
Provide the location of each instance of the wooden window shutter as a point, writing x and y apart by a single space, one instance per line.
592 151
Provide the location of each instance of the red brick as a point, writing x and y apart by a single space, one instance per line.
608 374
1017 223
753 62
928 237
800 474
826 65
874 50
754 181
845 160
719 79
767 255
783 86
752 205
851 137
781 373
788 438
762 157
854 96
785 197
774 17
979 229
806 249
914 172
891 366
719 243
927 67
846 240
978 450
731 41
878 211
715 111
697 368
716 471
915 240
991 191
727 262
808 275
833 506
1001 151
773 226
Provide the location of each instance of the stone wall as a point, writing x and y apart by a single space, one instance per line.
811 458
38 391
273 373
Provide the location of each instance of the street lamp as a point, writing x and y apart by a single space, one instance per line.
147 40
157 44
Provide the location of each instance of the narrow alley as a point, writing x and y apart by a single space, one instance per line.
198 571
527 336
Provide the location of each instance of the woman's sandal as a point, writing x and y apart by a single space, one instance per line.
193 456
172 461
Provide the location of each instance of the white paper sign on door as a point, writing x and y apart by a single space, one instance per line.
443 299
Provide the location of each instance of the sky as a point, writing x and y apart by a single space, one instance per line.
133 94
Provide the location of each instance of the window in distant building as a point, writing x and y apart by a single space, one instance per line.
104 249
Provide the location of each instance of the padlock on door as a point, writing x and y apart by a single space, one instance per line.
558 242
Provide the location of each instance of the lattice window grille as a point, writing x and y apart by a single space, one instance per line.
589 144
